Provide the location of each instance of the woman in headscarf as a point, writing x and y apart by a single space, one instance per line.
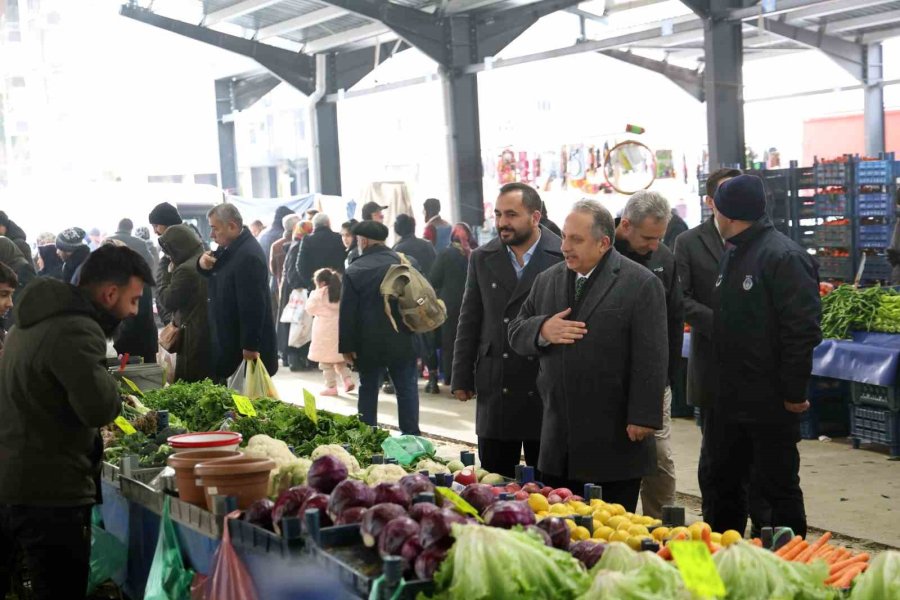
295 358
12 257
51 264
448 277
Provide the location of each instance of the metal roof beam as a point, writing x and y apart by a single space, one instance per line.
316 17
350 36
802 9
891 16
497 30
689 80
848 55
238 9
294 69
880 36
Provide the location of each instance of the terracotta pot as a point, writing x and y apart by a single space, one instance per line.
244 477
184 462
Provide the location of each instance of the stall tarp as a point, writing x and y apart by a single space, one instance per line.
851 361
889 340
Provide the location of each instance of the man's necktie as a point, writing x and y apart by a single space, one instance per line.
580 284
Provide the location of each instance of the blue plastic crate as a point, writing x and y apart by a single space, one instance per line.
835 267
831 173
874 236
831 205
875 205
879 396
874 172
875 426
877 268
834 236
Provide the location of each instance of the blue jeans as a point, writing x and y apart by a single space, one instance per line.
405 378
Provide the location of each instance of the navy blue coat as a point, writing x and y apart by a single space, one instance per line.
240 306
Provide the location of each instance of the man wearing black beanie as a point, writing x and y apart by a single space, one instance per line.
767 316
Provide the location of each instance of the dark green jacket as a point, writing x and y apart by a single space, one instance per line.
55 391
182 293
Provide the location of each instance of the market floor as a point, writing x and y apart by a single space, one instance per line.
852 492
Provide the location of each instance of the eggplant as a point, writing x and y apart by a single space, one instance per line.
588 552
557 530
479 495
416 484
395 534
289 503
410 552
436 528
347 494
429 561
325 473
260 514
545 537
509 513
319 502
374 520
351 516
418 511
393 493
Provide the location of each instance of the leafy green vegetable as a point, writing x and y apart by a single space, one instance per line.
753 573
849 309
493 563
881 580
623 574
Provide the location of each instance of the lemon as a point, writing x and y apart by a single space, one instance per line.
654 524
597 503
571 524
619 536
614 522
638 530
660 533
679 533
730 537
560 509
629 516
715 538
625 525
538 503
602 515
634 542
583 510
616 509
581 533
597 524
697 530
603 532
648 521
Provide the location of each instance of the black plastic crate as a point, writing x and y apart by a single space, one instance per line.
835 267
249 536
877 268
806 177
875 205
875 426
866 394
874 172
834 236
874 236
831 205
826 416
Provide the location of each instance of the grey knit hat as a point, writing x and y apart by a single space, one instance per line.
70 239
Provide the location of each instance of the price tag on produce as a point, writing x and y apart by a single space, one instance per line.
244 406
697 568
460 504
125 426
133 386
309 406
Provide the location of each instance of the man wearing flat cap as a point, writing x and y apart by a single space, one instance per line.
367 338
767 315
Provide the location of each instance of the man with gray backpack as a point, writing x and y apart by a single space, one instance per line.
384 302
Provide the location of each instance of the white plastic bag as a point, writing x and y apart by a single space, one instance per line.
301 331
296 307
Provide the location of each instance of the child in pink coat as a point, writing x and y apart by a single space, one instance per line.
324 304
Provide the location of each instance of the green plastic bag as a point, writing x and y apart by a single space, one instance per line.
252 380
169 579
407 448
108 554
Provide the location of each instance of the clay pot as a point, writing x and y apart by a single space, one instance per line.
244 477
184 462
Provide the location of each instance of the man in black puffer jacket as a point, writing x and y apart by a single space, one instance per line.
767 316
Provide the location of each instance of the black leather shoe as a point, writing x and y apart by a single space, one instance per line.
388 388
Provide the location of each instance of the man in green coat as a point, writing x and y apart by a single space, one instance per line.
55 392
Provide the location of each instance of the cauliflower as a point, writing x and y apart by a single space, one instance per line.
431 466
263 446
339 453
376 474
289 475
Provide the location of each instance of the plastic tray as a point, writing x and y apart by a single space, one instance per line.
834 236
831 173
874 236
877 426
831 205
249 536
875 205
877 268
865 394
194 517
835 267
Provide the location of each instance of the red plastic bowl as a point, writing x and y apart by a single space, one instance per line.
223 440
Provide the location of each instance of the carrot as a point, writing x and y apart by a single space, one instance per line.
756 542
806 554
838 566
787 547
848 576
836 556
795 551
824 550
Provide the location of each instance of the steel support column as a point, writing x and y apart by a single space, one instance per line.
225 126
464 147
724 86
873 117
329 151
